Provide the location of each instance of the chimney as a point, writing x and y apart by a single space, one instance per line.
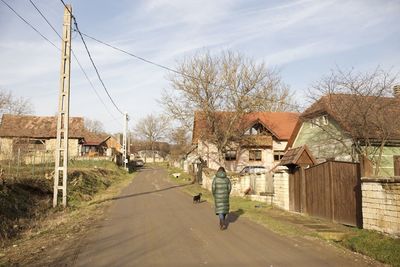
396 91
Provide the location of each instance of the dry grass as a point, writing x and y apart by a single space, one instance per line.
58 233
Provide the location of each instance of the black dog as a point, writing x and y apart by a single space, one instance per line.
197 198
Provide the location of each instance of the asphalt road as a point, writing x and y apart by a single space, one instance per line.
153 223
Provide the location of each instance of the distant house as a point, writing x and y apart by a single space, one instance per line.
98 144
338 126
22 134
156 152
263 139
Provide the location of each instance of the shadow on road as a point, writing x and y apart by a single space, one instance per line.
233 216
138 194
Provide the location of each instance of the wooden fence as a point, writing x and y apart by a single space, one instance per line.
330 190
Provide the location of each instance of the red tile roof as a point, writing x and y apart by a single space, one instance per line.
37 126
280 124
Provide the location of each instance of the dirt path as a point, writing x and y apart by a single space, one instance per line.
153 223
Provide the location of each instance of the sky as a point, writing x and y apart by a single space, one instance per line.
303 39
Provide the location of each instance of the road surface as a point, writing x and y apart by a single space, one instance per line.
153 223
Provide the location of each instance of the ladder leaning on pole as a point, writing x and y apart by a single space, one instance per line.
61 156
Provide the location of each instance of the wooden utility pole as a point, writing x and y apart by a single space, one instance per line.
61 160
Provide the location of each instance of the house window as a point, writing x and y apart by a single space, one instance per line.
323 120
230 155
255 155
278 155
256 129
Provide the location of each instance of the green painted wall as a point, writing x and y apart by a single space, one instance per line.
324 144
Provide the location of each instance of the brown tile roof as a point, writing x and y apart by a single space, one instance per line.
94 139
298 155
280 124
361 116
37 126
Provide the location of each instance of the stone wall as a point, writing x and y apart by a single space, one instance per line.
5 148
281 188
381 204
73 147
242 183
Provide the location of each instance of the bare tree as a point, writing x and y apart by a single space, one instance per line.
364 106
93 126
180 142
226 82
152 129
14 105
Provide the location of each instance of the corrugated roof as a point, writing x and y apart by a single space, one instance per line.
280 124
37 126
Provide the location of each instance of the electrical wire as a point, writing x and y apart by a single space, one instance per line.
163 66
30 25
76 58
91 59
168 68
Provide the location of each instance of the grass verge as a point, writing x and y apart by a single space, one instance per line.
252 210
55 235
376 245
370 243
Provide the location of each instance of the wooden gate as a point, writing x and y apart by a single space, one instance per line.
295 190
333 191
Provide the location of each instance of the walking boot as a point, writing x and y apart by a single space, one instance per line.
221 224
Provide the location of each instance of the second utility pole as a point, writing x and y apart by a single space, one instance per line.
124 140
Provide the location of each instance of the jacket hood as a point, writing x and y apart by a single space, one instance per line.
221 174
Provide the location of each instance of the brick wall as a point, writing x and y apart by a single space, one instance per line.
281 188
381 204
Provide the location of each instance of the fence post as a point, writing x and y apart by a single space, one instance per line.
42 163
303 195
9 167
33 166
331 196
18 161
365 166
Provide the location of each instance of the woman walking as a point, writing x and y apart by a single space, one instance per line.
221 188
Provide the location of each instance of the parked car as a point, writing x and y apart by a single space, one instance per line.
253 170
138 163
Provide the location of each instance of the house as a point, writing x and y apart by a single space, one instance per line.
261 140
150 152
99 144
343 126
31 135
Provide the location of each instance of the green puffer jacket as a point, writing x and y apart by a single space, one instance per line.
221 188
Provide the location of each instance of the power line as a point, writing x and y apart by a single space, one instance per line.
44 17
76 58
91 59
168 68
162 66
30 25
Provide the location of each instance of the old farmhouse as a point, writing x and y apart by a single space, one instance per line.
263 139
27 135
